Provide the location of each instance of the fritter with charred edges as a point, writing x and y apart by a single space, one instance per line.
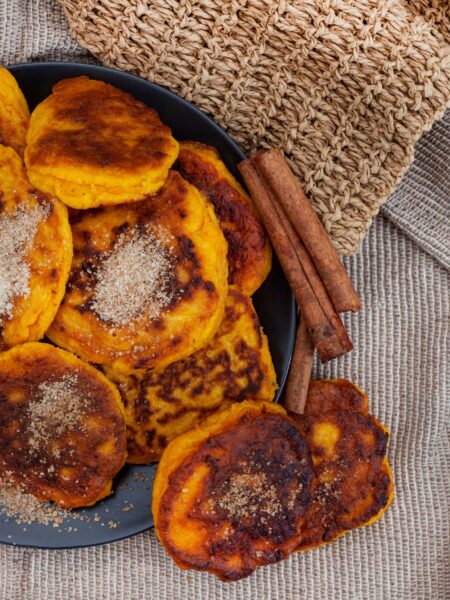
234 366
249 250
231 495
89 144
352 484
62 427
148 282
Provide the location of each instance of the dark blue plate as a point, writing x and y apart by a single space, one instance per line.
128 511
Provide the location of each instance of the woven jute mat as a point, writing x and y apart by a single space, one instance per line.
345 87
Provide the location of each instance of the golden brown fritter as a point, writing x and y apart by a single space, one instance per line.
148 281
231 495
62 428
14 113
89 144
35 254
234 366
352 483
249 251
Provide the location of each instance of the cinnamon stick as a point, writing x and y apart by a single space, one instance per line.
277 174
323 335
313 277
297 384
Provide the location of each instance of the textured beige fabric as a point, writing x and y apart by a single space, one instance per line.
421 203
401 348
35 30
345 87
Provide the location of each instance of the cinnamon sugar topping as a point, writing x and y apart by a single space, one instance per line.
17 232
56 409
134 278
247 495
25 508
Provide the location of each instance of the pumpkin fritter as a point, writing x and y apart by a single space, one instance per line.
148 282
249 250
234 366
231 495
352 484
35 254
62 427
14 113
90 143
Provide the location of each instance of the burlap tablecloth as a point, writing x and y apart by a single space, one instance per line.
400 359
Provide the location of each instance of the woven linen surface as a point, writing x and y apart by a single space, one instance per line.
400 359
345 87
421 202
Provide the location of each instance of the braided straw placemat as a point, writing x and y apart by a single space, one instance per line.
346 87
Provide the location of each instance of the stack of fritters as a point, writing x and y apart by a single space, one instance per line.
147 296
148 301
234 365
252 485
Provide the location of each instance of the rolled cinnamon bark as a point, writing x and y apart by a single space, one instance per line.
300 371
323 334
277 174
314 280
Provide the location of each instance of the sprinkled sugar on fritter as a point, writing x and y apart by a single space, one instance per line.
135 277
352 483
234 366
35 254
56 409
17 232
14 113
231 496
90 144
148 280
249 251
62 427
26 509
